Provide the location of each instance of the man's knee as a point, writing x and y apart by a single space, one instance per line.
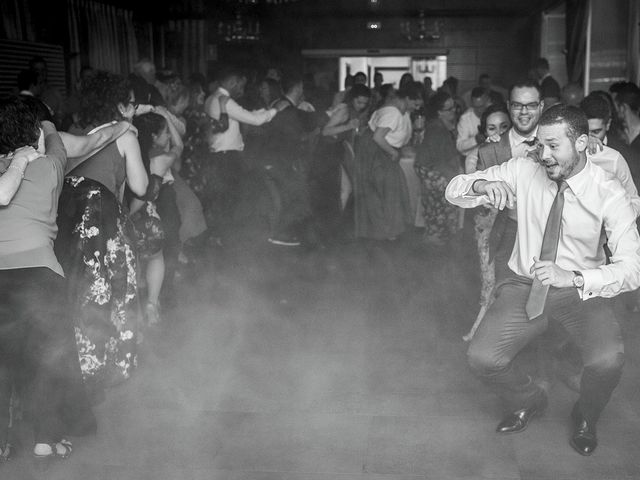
483 362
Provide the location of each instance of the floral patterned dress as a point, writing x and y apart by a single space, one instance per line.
95 251
437 162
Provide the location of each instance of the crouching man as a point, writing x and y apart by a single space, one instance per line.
558 270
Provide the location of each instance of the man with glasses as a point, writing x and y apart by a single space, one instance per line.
525 107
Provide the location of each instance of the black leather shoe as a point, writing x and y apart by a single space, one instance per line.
584 439
518 421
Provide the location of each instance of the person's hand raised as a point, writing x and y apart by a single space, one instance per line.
28 153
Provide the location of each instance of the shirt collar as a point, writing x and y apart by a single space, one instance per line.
579 182
224 91
517 139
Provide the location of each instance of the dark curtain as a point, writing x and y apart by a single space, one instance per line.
101 35
16 21
576 41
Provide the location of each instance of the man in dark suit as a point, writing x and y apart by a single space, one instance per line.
286 150
525 106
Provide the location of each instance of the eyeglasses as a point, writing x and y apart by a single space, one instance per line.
521 106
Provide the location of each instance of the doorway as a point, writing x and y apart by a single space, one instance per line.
392 63
393 68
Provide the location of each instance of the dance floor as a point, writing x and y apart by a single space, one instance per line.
344 363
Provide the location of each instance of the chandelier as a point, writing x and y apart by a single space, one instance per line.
420 30
245 24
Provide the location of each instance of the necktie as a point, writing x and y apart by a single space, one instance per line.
538 293
531 142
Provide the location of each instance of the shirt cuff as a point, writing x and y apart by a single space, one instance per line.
593 283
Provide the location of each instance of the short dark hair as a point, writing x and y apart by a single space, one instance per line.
542 63
478 92
27 78
360 74
595 106
491 109
629 95
19 125
290 80
411 91
573 118
483 76
358 90
525 83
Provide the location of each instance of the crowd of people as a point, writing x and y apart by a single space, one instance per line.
105 195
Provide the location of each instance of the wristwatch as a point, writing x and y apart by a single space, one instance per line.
578 279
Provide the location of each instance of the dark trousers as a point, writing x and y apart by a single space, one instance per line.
506 330
38 338
293 200
501 242
170 218
223 182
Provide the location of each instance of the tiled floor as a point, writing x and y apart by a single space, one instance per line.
339 364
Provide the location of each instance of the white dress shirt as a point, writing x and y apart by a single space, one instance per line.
612 161
516 142
593 201
231 139
467 130
399 125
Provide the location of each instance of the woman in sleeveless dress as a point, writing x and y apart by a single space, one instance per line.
94 245
161 146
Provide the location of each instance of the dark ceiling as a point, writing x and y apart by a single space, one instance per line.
309 9
387 8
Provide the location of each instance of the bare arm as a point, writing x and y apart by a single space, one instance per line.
176 140
137 179
81 147
379 137
12 178
336 124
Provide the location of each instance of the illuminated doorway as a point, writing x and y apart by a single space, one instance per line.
391 63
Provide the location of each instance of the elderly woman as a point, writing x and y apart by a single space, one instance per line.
37 339
382 209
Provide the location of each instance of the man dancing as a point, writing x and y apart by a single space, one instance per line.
558 270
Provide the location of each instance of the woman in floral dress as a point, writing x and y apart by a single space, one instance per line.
94 243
